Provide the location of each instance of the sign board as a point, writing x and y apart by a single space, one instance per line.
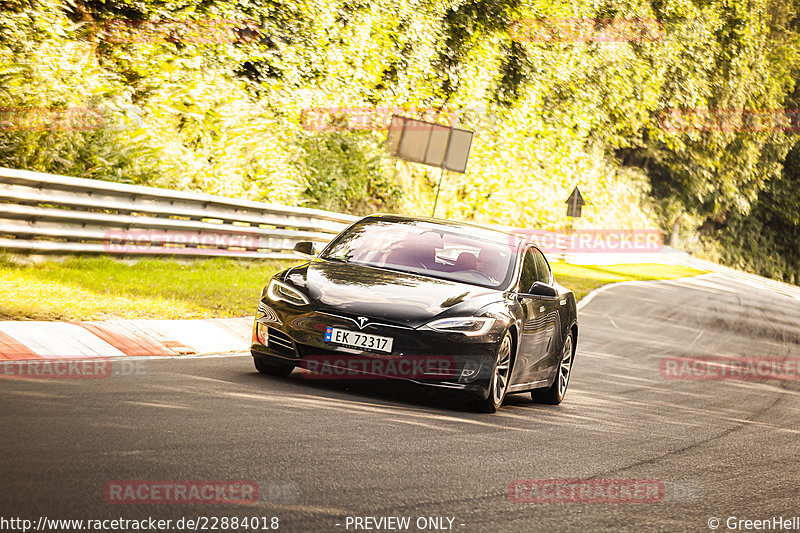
574 203
429 143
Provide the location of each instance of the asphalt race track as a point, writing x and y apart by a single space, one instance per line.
325 450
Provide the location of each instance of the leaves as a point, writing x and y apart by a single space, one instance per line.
215 96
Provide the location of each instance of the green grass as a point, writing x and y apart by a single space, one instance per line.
105 288
583 278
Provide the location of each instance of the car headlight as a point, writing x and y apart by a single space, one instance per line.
468 325
281 292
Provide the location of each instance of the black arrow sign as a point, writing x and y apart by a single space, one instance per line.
574 203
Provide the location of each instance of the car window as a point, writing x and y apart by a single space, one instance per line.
542 268
426 249
528 276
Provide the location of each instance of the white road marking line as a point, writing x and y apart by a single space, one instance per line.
421 424
154 404
304 508
597 355
696 338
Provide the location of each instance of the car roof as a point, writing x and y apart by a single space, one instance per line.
477 230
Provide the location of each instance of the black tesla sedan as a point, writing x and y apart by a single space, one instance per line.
447 304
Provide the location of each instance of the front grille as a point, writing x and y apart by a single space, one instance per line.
280 342
305 350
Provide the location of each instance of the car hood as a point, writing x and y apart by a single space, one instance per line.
395 297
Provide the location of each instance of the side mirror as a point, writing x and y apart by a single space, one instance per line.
542 289
305 248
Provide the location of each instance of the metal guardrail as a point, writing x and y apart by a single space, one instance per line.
46 213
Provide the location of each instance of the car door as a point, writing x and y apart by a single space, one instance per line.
551 316
531 362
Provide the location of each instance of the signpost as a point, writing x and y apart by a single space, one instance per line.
574 203
432 144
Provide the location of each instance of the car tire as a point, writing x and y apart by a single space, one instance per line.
498 382
554 394
273 368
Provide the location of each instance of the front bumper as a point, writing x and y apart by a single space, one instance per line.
445 360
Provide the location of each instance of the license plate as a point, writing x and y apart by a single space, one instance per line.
354 339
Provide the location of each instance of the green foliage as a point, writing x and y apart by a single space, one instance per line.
767 241
213 96
347 173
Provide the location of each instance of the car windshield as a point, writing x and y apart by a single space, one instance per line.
426 249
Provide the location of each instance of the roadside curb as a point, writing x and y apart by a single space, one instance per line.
120 338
